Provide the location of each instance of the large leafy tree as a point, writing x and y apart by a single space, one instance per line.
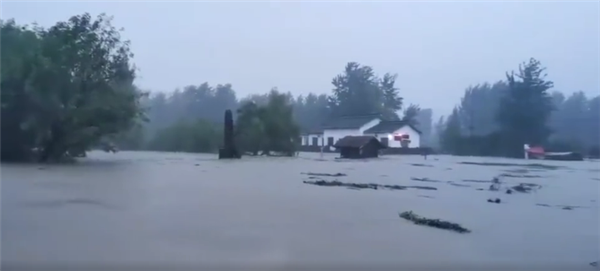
72 84
269 128
358 91
478 108
526 107
410 115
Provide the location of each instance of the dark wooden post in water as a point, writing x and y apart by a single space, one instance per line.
228 151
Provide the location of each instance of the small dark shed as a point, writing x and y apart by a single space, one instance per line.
359 147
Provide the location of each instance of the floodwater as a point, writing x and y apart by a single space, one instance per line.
173 210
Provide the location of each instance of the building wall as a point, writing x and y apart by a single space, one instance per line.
337 134
369 125
415 137
308 139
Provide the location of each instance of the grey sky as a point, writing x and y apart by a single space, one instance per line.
437 48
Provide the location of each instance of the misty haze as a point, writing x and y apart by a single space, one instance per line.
300 134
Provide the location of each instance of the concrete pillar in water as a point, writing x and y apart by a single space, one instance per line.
229 150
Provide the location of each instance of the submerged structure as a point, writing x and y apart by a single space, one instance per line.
357 147
540 153
228 151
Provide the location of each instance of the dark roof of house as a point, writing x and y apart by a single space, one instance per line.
357 142
389 127
349 122
313 131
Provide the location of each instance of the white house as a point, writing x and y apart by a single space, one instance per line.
388 132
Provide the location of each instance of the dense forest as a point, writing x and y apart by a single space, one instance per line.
497 119
70 88
357 90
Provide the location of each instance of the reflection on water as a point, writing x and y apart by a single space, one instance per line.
166 208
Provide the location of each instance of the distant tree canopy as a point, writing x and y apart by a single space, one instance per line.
498 119
358 91
268 128
69 88
271 123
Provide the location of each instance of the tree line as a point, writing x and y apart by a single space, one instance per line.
69 88
498 119
356 91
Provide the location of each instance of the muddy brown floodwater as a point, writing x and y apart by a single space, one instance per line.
170 209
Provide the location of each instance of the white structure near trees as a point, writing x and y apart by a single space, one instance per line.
394 134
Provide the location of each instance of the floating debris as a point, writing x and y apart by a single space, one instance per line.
495 186
526 187
476 181
519 176
424 180
366 185
458 184
425 196
421 165
436 223
535 166
325 174
518 170
570 207
594 264
508 191
563 207
496 200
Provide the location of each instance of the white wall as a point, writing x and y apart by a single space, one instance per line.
415 137
307 139
337 134
369 125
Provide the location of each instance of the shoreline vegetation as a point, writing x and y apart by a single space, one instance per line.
70 88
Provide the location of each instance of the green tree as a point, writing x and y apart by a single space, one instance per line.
188 136
269 128
359 91
20 54
450 136
410 115
74 83
525 109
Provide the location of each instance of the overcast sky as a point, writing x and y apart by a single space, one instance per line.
436 48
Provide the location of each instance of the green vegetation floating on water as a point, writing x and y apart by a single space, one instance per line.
533 165
435 223
373 186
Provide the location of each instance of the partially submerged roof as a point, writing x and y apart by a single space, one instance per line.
357 142
349 122
314 131
389 127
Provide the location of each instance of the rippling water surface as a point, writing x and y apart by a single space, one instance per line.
169 209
